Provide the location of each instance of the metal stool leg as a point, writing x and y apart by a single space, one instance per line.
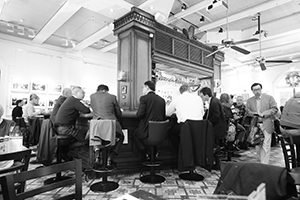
104 185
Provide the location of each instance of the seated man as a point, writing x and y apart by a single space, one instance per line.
185 106
67 92
151 108
106 106
290 121
68 113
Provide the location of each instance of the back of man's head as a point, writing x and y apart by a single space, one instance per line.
103 88
150 84
67 92
184 88
206 91
75 90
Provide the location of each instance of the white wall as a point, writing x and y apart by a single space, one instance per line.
23 60
238 81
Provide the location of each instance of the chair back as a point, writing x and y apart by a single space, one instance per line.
21 162
8 181
157 132
288 150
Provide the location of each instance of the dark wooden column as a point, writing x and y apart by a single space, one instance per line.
135 31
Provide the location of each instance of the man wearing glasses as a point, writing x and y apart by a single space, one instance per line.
265 107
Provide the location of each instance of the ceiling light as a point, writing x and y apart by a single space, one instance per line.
151 7
21 32
202 19
221 30
183 7
111 10
72 43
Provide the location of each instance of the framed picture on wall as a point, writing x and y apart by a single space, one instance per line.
20 86
55 88
38 87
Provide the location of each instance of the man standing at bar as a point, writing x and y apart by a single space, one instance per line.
215 115
265 107
106 106
185 106
151 108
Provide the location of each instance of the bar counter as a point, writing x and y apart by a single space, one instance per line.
128 160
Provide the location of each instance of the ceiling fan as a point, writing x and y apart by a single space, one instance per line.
261 60
230 43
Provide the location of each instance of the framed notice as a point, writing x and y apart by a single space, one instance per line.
55 88
20 86
38 87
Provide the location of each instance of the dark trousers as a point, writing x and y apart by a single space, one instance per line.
119 143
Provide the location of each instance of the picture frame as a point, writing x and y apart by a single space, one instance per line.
38 87
20 86
55 88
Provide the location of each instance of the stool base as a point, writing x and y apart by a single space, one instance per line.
152 179
55 179
191 177
104 186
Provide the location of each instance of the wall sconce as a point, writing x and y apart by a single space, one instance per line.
21 30
202 19
221 30
33 34
122 75
11 28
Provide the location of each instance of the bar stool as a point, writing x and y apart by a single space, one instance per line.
62 141
157 133
103 135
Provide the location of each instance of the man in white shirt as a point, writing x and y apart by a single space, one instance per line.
186 106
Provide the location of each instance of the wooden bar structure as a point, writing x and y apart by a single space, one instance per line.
145 45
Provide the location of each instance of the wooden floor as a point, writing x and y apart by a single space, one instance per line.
173 188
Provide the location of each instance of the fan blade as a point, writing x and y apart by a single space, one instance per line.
279 61
241 50
262 66
215 52
245 41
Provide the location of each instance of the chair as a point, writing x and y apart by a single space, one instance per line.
61 141
102 136
8 181
196 148
21 162
289 154
157 132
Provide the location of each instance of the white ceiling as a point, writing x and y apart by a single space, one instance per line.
79 24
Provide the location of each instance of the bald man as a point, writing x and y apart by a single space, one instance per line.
67 92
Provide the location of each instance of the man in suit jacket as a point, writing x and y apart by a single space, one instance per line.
106 106
215 115
264 106
151 108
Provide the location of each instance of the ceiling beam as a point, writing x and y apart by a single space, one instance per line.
189 11
262 7
95 37
64 13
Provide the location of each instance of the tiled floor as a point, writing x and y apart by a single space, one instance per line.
173 188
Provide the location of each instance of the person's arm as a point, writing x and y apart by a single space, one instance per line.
118 111
171 108
142 108
82 108
273 108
